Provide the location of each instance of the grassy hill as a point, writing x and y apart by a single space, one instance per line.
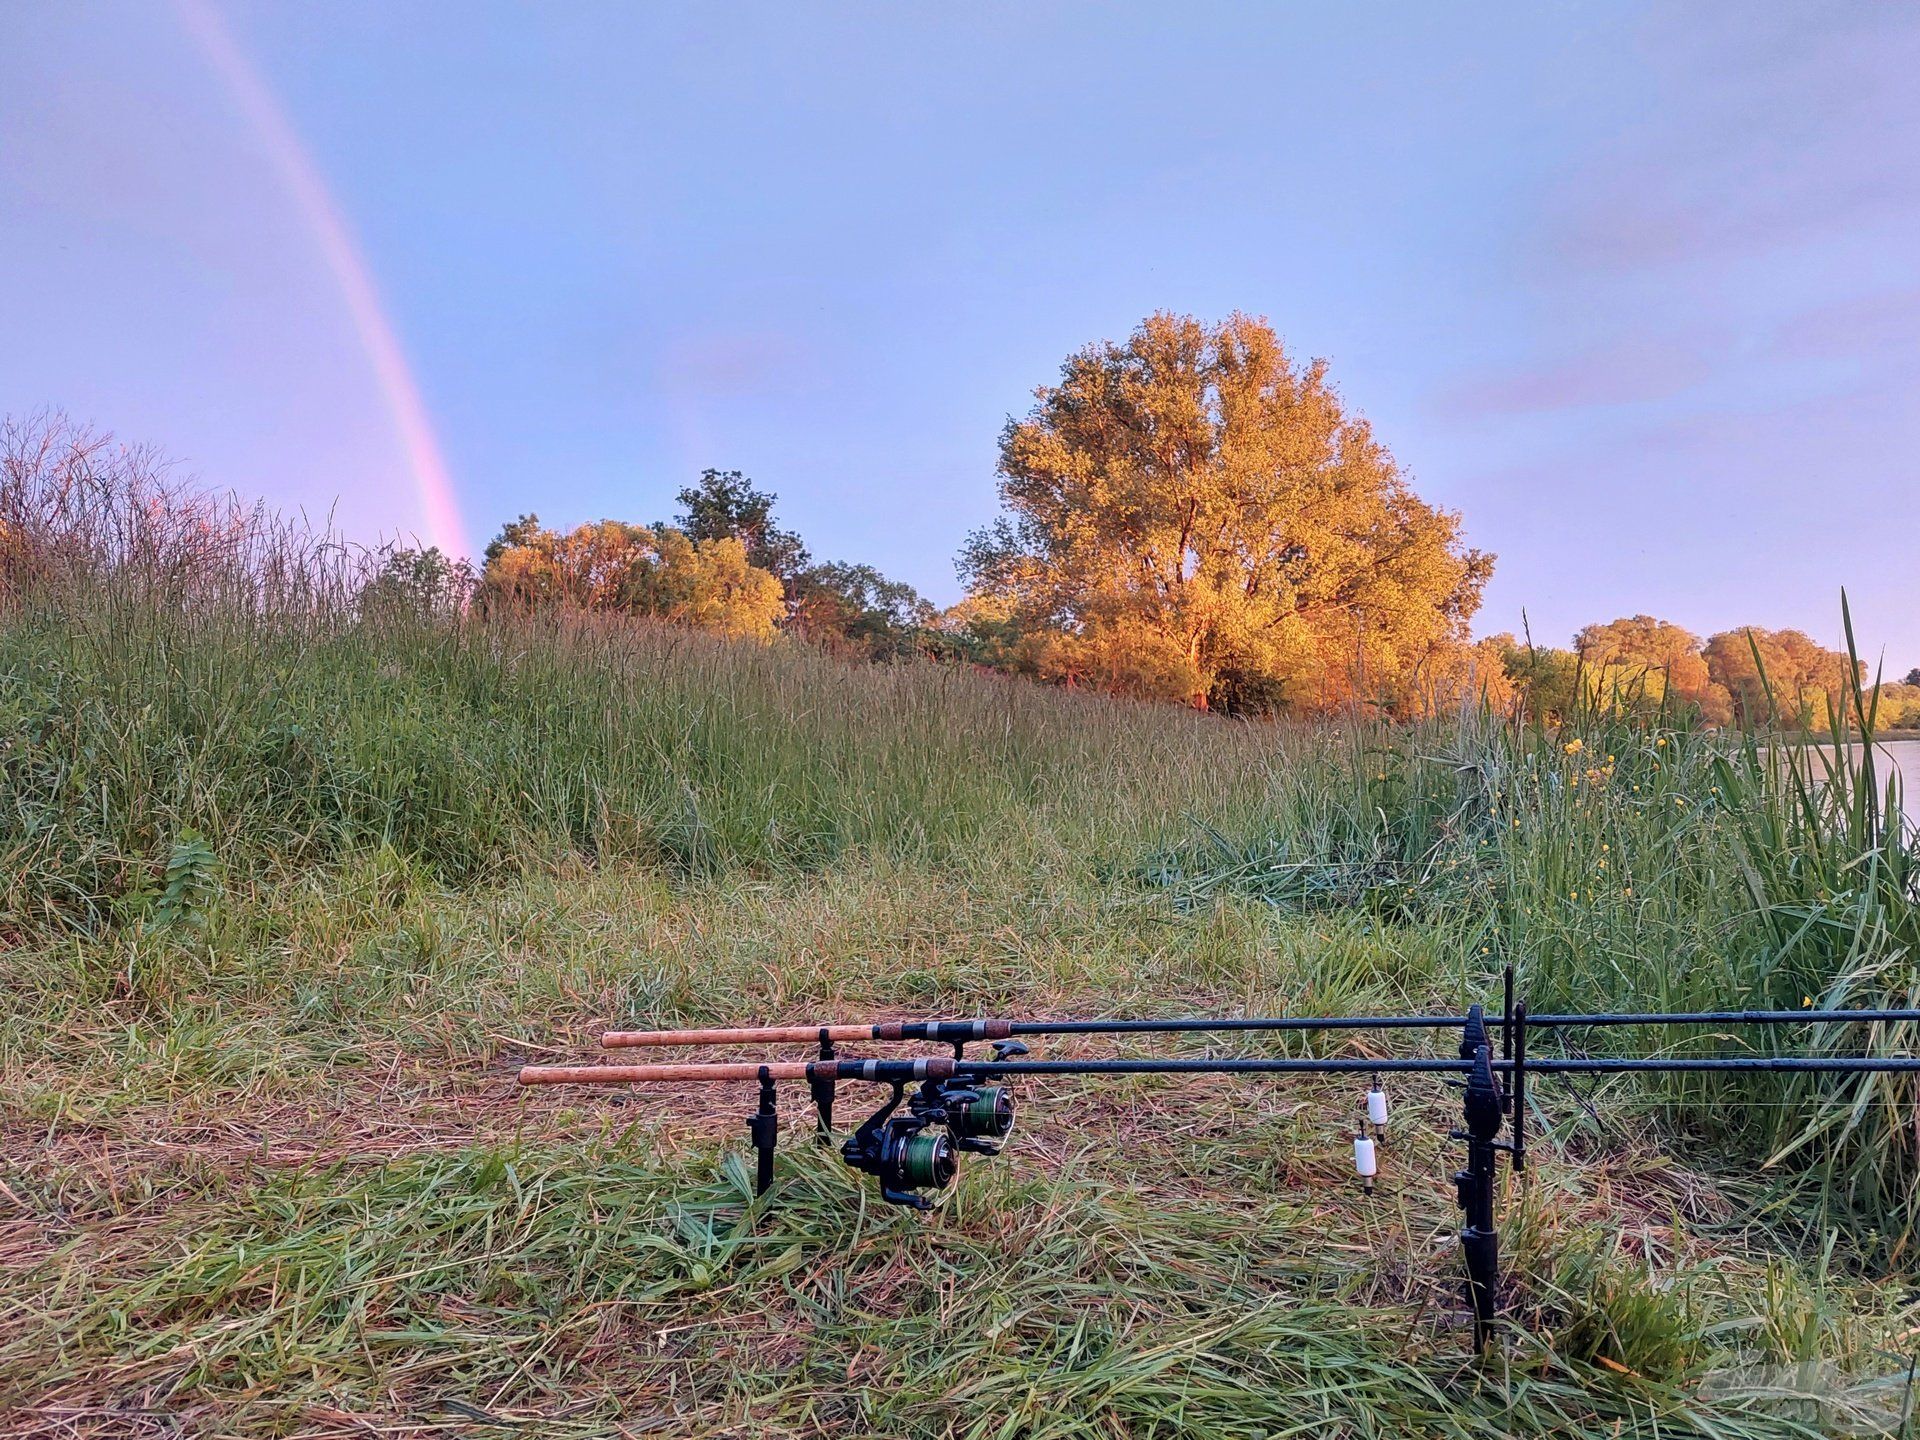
291 885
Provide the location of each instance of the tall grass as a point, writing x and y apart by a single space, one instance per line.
174 666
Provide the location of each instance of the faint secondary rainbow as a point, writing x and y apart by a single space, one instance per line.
439 507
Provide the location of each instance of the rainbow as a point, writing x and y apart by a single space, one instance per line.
439 507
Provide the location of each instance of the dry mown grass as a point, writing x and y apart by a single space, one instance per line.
372 1232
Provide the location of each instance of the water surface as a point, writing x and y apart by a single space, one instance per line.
1900 755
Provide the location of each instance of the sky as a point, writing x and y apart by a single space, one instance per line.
1635 289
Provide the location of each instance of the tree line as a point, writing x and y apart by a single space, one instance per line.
1188 515
1746 676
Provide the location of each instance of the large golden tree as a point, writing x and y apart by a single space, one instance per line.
1191 514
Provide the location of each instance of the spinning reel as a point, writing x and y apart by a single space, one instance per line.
907 1154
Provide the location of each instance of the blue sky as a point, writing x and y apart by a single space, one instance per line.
1635 289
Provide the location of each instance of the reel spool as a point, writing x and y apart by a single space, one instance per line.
977 1117
987 1115
920 1150
903 1154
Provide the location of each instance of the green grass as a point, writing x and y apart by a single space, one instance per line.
291 890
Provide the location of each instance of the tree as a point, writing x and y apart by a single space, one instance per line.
417 585
1778 676
1913 677
609 565
1546 678
515 534
851 608
725 505
1898 706
855 607
1192 515
1641 659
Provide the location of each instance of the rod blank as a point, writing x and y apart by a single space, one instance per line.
943 1031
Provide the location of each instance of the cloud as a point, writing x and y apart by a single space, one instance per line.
1761 129
1880 325
731 364
1625 371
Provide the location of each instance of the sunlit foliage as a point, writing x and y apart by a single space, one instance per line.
1639 661
1193 515
636 570
1778 676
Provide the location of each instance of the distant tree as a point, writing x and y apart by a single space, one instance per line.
514 534
1777 677
609 565
1546 679
855 607
1456 676
1652 661
1913 677
1192 515
420 584
725 505
1898 706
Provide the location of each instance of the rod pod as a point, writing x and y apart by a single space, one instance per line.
764 1128
821 1086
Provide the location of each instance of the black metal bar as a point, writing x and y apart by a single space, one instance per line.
1479 1237
1506 1015
821 1089
1517 1091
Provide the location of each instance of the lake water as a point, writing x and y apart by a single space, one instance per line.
1901 755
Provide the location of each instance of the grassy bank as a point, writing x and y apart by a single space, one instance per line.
291 889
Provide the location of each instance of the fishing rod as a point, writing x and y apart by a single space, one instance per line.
964 1032
938 1068
912 1143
